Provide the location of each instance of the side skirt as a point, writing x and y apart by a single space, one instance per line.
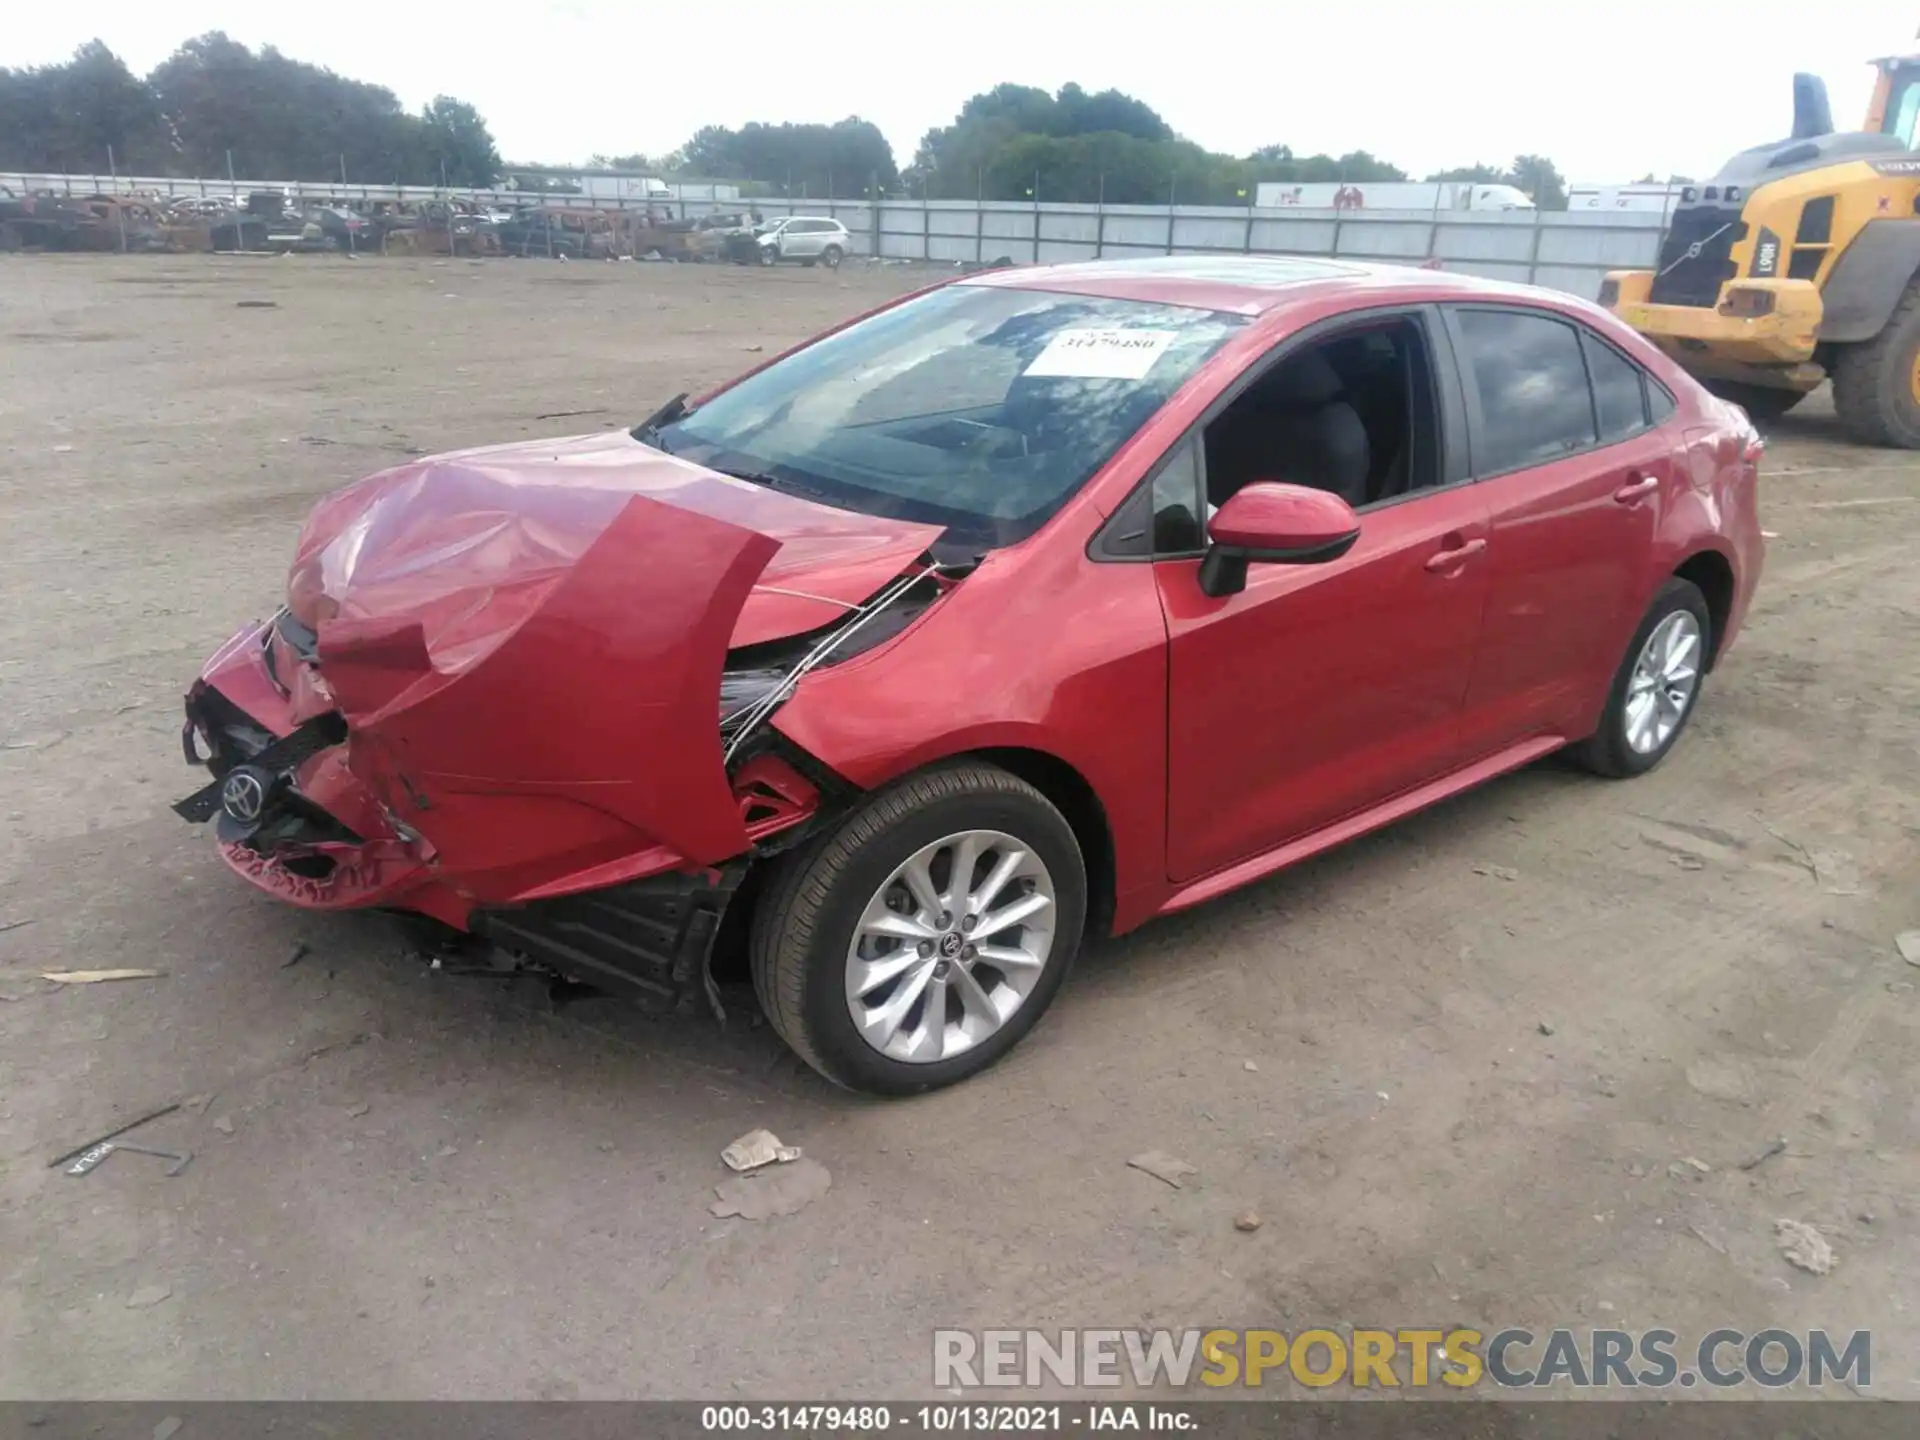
1210 887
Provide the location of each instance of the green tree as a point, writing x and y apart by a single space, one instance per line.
457 144
844 158
64 117
1539 180
1475 175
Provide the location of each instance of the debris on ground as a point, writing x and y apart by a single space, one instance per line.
1765 1155
1907 943
256 304
99 977
6 925
300 952
113 1134
784 1190
224 1124
1497 872
1688 862
1836 872
95 1157
758 1148
1250 1067
1545 1028
356 1111
1804 1246
1162 1166
1707 1238
1247 1221
148 1295
1680 1167
168 1428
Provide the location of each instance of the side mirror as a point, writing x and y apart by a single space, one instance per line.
1274 524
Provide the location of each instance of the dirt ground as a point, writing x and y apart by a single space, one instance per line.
1456 1098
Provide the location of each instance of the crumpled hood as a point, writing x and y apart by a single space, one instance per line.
471 542
527 644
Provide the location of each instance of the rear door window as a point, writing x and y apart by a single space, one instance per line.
1534 402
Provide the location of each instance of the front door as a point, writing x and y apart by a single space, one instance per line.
1320 689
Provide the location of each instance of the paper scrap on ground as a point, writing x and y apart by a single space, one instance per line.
757 1148
1102 354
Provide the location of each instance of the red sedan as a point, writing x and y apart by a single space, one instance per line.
1039 603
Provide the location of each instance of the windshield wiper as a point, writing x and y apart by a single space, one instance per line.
647 432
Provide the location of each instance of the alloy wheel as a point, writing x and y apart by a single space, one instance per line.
950 946
1666 677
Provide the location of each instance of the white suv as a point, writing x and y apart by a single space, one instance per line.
807 238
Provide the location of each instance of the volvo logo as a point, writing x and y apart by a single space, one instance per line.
244 795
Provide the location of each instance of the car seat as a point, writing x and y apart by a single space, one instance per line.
1295 426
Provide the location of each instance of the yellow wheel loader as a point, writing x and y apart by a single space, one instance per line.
1800 262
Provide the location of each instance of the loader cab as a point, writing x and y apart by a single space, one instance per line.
1895 107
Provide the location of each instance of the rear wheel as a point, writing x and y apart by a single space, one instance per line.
1876 385
1762 402
832 256
915 945
1656 686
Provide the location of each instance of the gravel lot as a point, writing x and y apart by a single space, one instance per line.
1466 1092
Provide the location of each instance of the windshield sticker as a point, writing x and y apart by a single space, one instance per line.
1102 354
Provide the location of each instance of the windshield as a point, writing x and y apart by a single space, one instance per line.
973 407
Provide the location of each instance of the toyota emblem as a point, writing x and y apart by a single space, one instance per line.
244 796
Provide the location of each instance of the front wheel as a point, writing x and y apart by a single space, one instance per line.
769 255
914 945
1656 686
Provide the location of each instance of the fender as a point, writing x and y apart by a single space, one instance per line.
1869 279
1036 650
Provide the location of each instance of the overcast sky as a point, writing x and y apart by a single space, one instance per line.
1609 91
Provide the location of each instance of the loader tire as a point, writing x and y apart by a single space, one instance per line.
1761 402
1876 384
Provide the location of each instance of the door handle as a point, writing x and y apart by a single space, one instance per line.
1445 562
1637 489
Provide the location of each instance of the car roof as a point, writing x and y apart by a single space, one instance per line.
1252 284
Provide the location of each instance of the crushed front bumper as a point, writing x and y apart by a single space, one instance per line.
289 816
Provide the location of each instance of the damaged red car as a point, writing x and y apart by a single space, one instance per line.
1025 608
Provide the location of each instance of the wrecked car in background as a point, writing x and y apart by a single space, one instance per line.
1034 605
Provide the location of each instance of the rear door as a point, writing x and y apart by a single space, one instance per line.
1574 475
802 239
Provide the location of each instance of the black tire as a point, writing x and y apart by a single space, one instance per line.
769 255
1874 382
832 256
1761 402
806 917
1606 751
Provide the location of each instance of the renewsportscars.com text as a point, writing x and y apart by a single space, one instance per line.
1512 1358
